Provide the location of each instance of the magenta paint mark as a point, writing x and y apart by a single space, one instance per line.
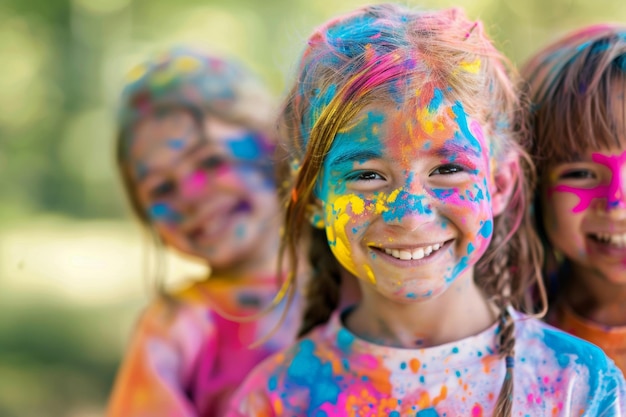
195 183
612 192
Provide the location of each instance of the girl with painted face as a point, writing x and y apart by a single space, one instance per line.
402 131
578 88
195 153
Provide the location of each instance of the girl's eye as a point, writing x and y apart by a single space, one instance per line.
163 189
364 176
577 174
447 169
212 162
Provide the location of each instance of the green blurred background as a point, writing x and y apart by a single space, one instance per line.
71 271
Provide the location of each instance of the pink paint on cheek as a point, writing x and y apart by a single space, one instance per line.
612 193
195 184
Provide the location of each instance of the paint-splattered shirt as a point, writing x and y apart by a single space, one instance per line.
333 373
611 339
186 360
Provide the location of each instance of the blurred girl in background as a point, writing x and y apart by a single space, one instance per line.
195 152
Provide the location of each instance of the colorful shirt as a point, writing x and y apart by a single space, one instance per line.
333 373
612 339
186 360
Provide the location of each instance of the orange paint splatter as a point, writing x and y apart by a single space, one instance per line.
414 364
442 395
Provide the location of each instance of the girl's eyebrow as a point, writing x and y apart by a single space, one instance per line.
451 149
355 156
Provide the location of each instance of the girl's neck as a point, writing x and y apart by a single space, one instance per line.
594 298
460 312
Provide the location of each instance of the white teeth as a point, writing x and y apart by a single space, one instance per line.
617 240
418 253
405 256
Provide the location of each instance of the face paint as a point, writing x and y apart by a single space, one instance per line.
162 212
195 184
389 172
612 193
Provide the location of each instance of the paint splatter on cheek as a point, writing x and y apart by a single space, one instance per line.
613 193
164 213
346 215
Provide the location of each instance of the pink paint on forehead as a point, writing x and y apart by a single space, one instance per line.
612 192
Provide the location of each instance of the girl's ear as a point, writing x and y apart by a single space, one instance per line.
315 213
505 178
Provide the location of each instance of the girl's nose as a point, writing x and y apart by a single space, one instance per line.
408 210
194 184
616 201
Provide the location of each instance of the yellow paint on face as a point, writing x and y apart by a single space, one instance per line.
342 214
370 274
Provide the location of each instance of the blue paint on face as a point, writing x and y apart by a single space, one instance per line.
404 204
442 193
247 147
356 145
470 248
460 267
164 213
176 143
487 229
461 120
307 371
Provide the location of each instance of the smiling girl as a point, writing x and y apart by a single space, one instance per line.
195 152
401 128
578 88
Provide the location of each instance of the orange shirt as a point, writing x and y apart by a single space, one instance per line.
611 339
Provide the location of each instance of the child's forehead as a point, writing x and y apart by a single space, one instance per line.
417 122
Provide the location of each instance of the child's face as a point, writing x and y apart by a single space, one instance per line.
584 212
584 205
206 197
406 198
